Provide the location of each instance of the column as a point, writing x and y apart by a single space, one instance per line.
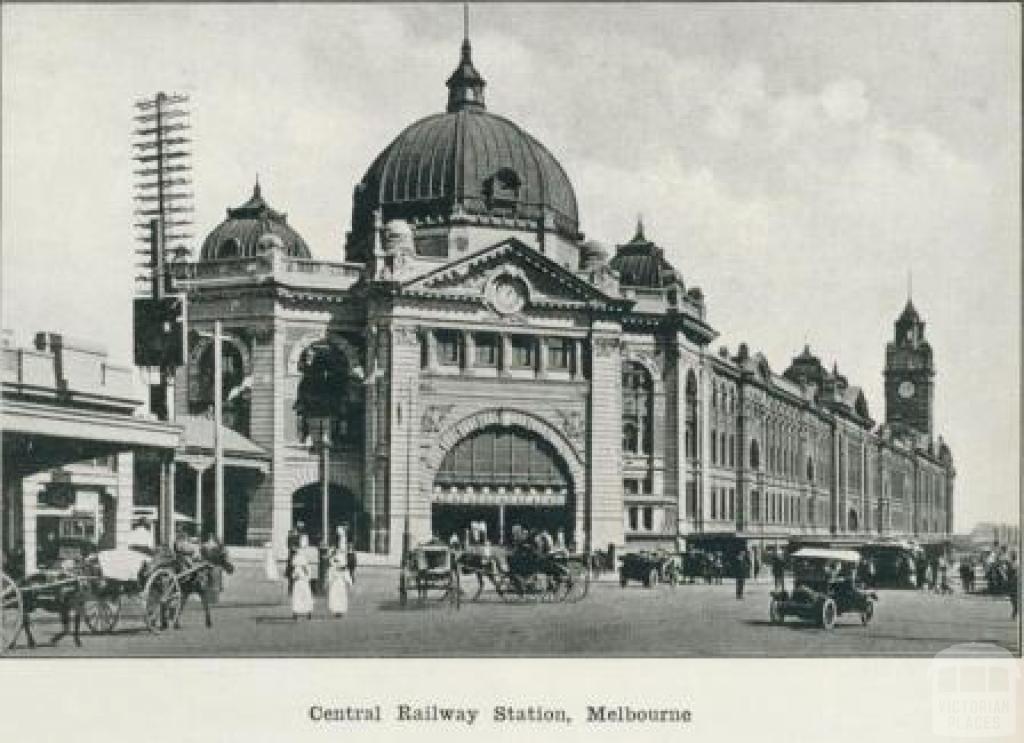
505 362
409 508
468 350
30 488
577 359
542 356
605 439
431 341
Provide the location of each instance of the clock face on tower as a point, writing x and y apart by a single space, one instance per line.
906 389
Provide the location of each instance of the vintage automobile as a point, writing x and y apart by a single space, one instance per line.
825 587
650 568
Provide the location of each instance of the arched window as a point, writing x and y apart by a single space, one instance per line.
755 455
691 415
236 387
637 409
230 248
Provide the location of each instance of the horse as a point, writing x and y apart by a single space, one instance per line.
62 593
194 566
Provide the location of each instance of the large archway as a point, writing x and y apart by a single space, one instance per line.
500 480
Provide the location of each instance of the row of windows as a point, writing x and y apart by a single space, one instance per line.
637 409
524 351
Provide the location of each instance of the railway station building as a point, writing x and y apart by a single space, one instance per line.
483 363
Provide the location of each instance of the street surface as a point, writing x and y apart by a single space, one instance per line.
699 620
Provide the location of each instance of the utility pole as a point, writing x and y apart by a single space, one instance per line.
218 444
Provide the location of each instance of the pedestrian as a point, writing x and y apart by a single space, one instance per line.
742 566
269 563
302 594
338 582
351 562
1012 579
778 572
757 567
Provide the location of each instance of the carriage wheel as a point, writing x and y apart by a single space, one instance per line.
101 611
828 614
11 612
775 612
163 599
867 613
579 583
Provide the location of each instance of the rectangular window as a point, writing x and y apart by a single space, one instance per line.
646 486
559 354
648 518
486 349
732 504
634 521
714 447
448 347
732 450
523 351
631 487
691 500
714 503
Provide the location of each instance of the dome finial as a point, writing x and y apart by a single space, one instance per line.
466 85
639 236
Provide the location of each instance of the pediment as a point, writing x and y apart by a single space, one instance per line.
510 277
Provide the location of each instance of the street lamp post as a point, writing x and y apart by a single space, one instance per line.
322 427
406 527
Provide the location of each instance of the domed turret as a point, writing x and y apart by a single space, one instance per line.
465 166
245 232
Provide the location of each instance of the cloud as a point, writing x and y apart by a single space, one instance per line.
845 101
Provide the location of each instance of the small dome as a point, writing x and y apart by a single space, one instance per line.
241 234
641 263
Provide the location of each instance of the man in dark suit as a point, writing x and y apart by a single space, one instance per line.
742 567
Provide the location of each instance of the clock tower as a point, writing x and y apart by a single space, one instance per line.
909 389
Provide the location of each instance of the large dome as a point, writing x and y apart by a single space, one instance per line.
240 235
465 162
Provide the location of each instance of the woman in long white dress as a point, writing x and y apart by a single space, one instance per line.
338 581
302 595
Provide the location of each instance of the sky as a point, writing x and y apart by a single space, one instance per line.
797 162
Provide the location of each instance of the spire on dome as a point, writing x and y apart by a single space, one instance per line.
466 85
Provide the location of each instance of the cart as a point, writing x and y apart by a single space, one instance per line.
428 569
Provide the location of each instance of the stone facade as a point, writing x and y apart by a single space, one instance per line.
491 367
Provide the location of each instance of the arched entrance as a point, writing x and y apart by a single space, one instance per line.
343 508
501 479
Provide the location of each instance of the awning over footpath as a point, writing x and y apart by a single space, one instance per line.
196 445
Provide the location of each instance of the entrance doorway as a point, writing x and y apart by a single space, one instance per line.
503 477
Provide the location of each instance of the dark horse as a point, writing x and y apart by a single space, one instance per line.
194 566
60 593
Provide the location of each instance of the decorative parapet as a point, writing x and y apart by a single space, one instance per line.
281 269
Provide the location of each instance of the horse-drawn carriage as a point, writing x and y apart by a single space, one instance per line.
651 568
528 573
430 568
93 587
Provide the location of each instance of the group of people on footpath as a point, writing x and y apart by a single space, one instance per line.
299 572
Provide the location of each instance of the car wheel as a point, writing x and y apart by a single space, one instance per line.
652 578
775 612
869 611
623 580
828 614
